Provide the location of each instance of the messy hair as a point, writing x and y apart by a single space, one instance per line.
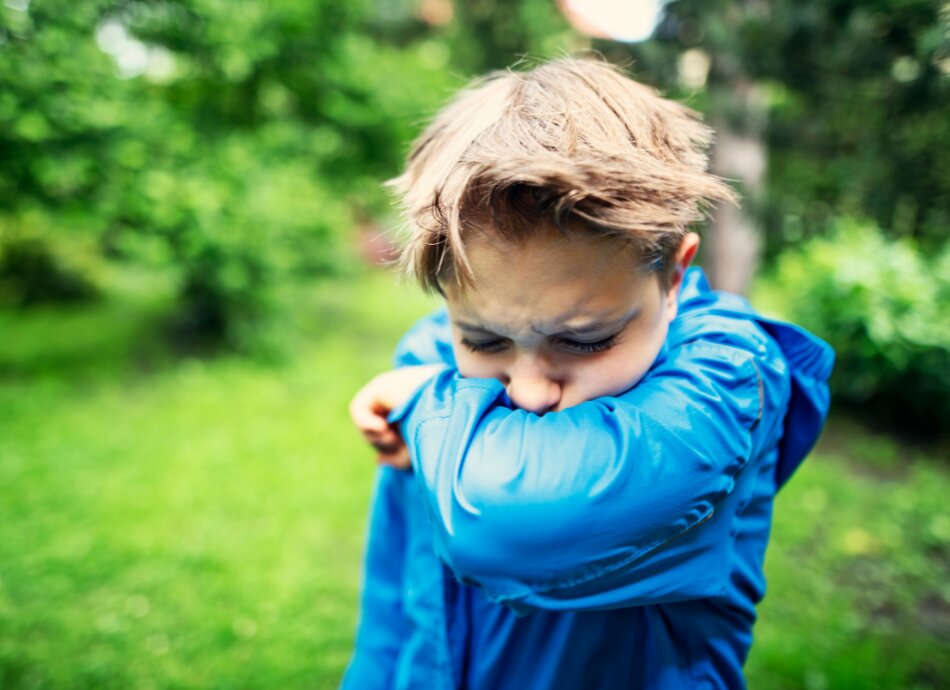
573 145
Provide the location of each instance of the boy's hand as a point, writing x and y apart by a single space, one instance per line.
373 403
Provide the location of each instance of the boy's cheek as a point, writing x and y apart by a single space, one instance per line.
474 366
590 389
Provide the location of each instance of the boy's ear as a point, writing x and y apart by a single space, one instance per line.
682 259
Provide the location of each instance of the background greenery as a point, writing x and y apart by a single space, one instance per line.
188 192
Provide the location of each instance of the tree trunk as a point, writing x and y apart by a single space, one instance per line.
733 241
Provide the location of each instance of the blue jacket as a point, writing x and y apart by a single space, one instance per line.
615 544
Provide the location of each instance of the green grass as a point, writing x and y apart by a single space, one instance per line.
195 526
859 570
188 523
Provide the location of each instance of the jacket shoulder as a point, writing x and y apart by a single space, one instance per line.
429 341
802 358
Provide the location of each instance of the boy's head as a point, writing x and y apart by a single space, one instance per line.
551 208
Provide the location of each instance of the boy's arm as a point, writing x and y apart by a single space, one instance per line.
383 625
617 501
422 351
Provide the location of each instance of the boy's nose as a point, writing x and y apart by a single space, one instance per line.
531 388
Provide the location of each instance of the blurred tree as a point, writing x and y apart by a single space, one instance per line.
490 34
857 95
228 142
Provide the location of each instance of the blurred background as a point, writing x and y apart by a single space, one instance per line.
191 237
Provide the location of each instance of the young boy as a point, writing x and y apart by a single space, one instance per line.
595 436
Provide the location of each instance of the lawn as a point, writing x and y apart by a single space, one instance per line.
182 522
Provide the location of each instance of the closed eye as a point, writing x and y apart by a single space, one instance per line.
582 348
497 345
486 346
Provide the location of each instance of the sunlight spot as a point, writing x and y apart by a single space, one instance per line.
245 628
158 644
620 20
693 67
858 542
138 606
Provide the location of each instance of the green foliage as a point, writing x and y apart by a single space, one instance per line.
489 35
233 143
233 226
882 304
857 95
31 274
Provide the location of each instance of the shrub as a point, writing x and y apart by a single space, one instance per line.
885 308
32 273
233 225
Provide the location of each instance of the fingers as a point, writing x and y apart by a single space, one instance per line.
371 406
399 459
387 441
370 418
366 414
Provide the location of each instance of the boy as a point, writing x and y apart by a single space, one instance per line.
596 437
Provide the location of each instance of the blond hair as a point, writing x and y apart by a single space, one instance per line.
572 144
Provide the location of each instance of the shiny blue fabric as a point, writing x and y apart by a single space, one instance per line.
615 544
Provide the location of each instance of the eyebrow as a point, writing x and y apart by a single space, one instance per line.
600 326
473 327
584 330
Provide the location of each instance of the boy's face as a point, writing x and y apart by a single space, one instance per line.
560 319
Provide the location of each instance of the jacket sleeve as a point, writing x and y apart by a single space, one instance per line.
618 501
383 626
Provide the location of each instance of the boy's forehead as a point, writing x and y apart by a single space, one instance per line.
576 322
548 282
524 303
